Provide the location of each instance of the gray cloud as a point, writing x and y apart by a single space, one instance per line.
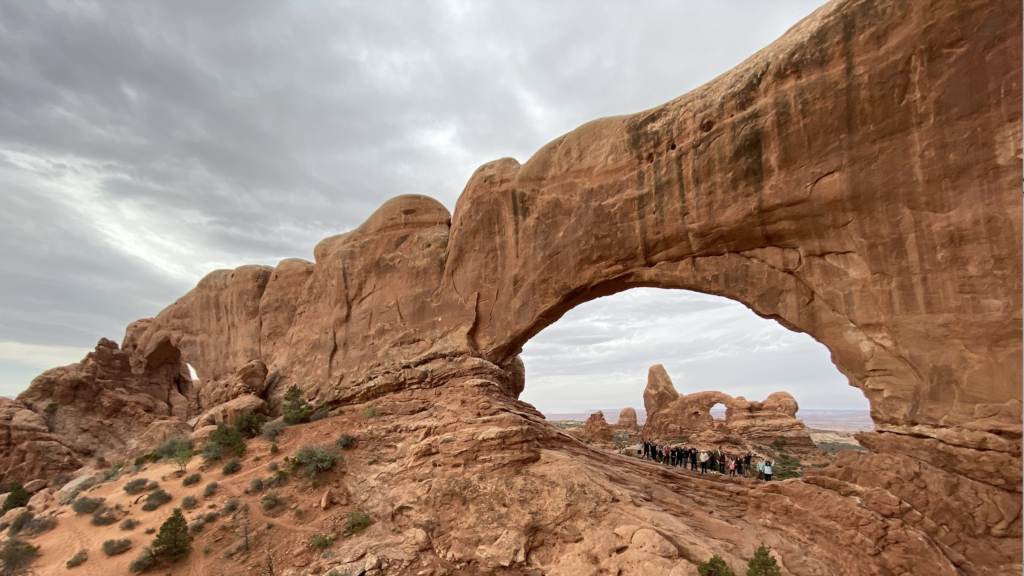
143 144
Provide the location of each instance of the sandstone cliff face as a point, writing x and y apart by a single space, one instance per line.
857 180
670 414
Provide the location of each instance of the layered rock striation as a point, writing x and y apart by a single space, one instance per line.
857 180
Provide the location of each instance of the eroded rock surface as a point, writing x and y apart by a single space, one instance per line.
857 180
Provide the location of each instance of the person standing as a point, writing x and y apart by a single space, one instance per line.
693 458
760 469
732 467
768 471
739 466
746 461
721 461
703 462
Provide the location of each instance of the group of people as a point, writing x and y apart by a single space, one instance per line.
713 461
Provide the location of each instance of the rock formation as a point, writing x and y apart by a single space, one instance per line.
857 180
597 428
627 421
670 415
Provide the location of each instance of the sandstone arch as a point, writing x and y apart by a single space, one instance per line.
857 180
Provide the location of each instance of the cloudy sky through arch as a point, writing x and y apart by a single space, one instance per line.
146 143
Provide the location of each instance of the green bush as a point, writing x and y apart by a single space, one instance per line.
115 547
231 505
112 473
248 424
273 448
36 526
256 485
20 521
279 479
17 497
296 410
370 412
210 490
197 526
189 502
17 555
232 466
344 442
271 500
272 466
173 541
181 459
136 486
321 542
357 520
156 500
191 479
128 524
319 415
715 567
762 564
314 460
86 505
172 446
222 441
78 559
144 562
104 516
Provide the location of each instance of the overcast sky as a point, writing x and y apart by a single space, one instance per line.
143 144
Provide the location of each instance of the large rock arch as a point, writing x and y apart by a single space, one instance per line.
857 180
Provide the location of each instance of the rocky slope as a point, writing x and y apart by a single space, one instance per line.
857 180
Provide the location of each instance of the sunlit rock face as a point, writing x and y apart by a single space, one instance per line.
857 180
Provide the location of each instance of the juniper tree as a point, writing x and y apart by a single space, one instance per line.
173 541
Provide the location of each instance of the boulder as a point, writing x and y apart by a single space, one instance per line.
596 428
627 421
35 485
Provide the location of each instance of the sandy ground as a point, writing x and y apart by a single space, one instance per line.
74 532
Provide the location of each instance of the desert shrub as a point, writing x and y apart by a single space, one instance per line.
153 485
211 451
37 526
197 526
210 489
128 524
322 541
191 479
715 567
4 526
17 555
78 559
248 424
314 460
173 541
104 516
182 458
296 410
256 484
86 505
272 466
115 547
112 474
232 466
231 505
17 497
156 500
20 521
271 500
189 502
319 415
211 517
279 479
344 442
273 448
370 412
150 530
762 564
273 428
144 562
229 438
357 520
136 486
172 446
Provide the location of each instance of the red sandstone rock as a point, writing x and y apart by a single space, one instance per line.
627 421
857 180
597 428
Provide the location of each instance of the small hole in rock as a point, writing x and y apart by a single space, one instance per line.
672 147
650 157
707 125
